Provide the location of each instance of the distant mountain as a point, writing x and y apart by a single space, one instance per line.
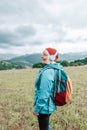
72 56
31 59
7 56
28 59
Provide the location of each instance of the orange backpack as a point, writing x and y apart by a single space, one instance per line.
62 88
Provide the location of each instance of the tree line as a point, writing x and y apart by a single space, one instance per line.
66 63
5 65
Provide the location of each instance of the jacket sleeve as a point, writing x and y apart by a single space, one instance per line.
43 94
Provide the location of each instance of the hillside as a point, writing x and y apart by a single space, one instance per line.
26 59
31 59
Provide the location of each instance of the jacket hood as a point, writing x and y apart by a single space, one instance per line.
54 65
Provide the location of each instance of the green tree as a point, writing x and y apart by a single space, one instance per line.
37 65
4 65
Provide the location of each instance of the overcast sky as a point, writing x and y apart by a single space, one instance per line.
29 26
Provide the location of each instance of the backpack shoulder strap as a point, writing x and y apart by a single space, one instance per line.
41 75
57 86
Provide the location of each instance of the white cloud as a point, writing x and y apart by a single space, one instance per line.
78 47
76 34
29 24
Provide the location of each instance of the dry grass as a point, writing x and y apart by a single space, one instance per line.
16 101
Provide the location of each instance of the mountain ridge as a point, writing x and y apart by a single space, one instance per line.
30 59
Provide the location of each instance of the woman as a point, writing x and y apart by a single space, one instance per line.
44 89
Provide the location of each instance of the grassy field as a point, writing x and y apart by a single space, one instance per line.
16 101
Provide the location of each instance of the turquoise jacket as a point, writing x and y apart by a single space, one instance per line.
44 90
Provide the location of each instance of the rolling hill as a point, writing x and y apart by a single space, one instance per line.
30 59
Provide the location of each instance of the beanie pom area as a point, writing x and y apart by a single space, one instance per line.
53 54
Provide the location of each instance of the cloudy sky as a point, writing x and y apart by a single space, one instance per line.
29 26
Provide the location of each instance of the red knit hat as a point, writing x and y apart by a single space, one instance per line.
53 54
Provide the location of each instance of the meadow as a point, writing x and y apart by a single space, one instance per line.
16 101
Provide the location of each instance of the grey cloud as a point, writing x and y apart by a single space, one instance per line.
85 39
79 39
6 37
70 40
22 12
72 13
25 13
75 15
38 42
61 33
15 37
26 30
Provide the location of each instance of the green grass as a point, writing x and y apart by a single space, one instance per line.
16 101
